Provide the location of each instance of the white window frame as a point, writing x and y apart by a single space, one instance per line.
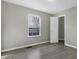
39 27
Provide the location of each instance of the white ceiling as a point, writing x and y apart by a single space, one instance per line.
45 6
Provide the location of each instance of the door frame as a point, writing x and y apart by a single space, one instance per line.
64 25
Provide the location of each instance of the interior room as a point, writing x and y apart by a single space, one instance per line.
38 29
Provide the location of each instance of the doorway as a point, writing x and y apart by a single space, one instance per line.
61 29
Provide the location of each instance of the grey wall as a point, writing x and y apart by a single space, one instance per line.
70 26
14 26
61 27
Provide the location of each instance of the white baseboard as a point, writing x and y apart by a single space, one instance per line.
23 46
71 46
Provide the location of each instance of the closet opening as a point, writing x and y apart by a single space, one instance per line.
61 29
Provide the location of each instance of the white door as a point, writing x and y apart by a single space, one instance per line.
53 29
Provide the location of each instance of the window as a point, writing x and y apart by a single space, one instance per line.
34 25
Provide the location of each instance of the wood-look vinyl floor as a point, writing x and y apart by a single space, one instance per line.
43 51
